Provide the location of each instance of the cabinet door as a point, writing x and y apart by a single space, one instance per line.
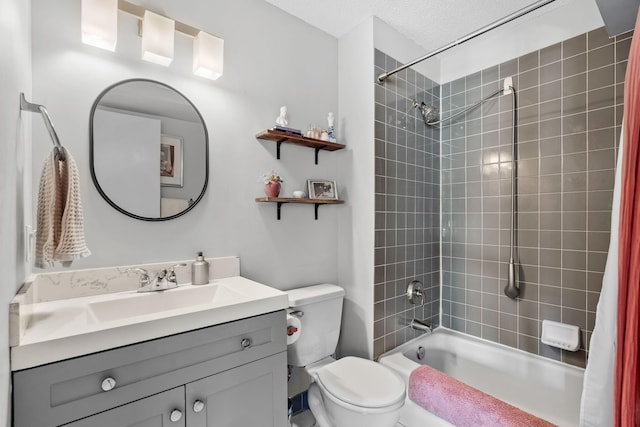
251 395
153 411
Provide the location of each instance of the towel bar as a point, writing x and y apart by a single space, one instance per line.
36 108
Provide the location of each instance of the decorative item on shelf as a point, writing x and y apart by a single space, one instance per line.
281 120
314 132
299 194
271 181
322 189
331 133
287 130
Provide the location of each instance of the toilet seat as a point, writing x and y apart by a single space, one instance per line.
361 384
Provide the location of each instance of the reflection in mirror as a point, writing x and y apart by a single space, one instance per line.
149 150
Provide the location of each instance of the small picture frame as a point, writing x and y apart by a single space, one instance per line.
322 189
171 170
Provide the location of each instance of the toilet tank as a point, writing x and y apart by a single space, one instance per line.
321 308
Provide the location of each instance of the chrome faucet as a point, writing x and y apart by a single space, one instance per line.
162 280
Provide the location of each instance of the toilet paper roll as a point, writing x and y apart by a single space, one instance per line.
293 329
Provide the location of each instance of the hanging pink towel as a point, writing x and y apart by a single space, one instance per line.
465 406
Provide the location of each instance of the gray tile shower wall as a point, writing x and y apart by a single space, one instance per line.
407 205
570 99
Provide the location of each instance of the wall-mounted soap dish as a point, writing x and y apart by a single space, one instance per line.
561 335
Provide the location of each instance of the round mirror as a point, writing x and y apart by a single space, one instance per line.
149 150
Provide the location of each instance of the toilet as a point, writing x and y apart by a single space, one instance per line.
348 392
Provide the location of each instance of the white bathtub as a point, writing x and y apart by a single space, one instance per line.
548 389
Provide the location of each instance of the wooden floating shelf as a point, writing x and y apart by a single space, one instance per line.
282 200
299 200
289 138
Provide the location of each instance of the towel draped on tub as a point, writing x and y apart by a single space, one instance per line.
463 405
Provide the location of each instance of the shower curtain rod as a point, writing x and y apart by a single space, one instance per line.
535 6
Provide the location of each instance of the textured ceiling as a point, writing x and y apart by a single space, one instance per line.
430 23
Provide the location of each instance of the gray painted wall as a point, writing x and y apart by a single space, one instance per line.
266 66
355 244
15 168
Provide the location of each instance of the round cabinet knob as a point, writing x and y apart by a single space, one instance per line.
198 406
176 415
108 384
245 343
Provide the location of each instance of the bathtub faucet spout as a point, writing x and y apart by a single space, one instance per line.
420 325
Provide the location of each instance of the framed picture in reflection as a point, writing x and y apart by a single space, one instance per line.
171 161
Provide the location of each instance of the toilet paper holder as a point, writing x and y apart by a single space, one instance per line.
294 326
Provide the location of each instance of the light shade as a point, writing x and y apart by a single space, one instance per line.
208 56
157 38
100 23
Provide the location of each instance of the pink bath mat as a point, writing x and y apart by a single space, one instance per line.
463 405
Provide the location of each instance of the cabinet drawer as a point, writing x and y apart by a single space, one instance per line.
61 392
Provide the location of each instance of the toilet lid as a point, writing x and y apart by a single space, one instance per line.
362 382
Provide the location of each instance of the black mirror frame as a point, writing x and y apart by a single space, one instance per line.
91 163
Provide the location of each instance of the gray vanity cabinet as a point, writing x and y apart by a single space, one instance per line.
228 375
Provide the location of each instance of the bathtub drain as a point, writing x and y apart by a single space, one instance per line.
420 353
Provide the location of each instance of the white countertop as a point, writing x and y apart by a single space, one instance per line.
65 328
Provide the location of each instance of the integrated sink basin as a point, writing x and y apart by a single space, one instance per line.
184 297
50 331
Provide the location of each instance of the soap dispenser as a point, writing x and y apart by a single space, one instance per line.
200 271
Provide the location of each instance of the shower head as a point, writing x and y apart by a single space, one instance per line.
429 112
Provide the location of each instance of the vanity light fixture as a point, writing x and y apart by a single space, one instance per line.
100 27
100 23
208 56
157 38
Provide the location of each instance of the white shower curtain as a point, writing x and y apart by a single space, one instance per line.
596 409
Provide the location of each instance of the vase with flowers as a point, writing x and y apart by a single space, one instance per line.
271 181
